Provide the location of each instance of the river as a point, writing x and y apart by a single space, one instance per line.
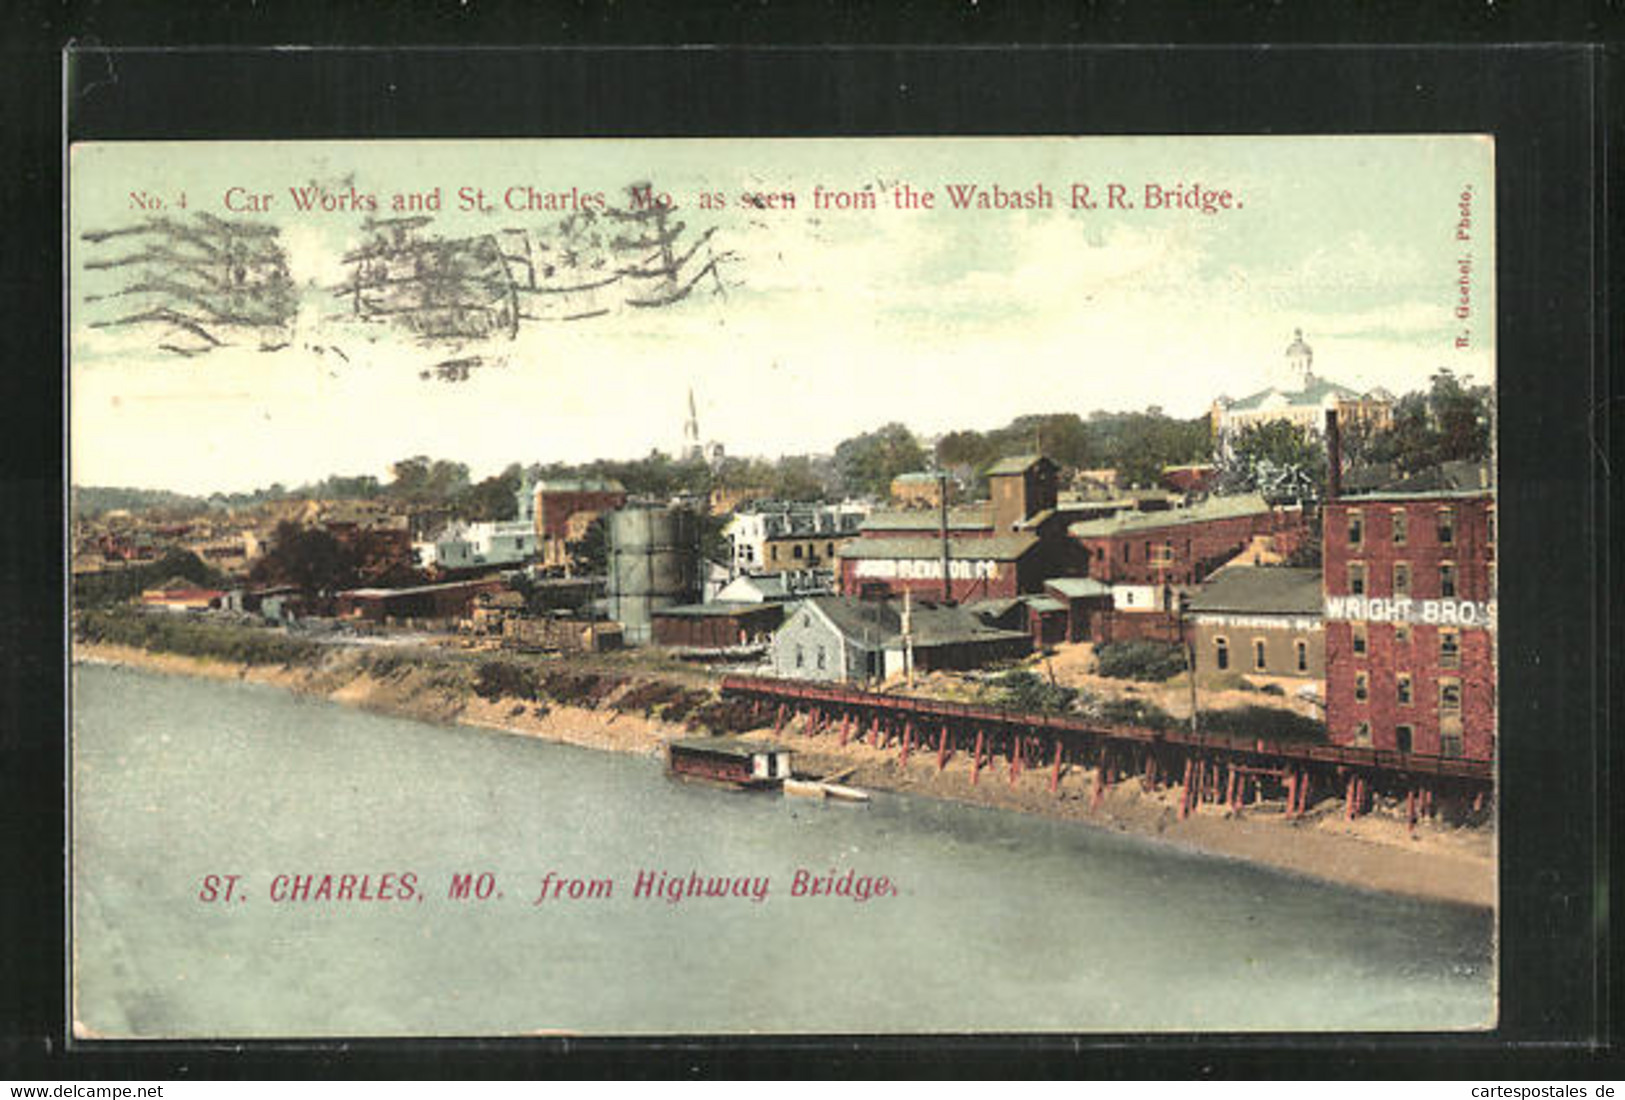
985 920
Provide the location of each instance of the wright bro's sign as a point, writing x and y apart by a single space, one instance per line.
1403 609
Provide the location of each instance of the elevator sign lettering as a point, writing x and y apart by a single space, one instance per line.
925 569
1402 609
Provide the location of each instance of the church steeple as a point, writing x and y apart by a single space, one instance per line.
691 431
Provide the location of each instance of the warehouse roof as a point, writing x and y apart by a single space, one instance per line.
716 609
1264 589
880 622
1445 479
1017 464
1078 588
1214 508
976 517
989 548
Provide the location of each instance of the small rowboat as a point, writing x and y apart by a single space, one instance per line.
818 788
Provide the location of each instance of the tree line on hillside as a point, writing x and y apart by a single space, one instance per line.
1447 421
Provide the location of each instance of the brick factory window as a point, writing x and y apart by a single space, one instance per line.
1402 634
1447 581
1362 687
1260 658
829 548
1490 580
1449 744
1489 525
795 552
1402 578
1447 526
1221 654
1126 549
1357 578
1399 525
1362 734
1360 639
1402 738
1403 688
1449 648
1303 655
1356 528
773 553
1449 697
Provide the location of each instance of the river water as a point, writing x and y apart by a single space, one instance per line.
989 921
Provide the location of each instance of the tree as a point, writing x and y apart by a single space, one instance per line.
1147 442
421 480
308 557
495 498
798 477
867 463
1450 422
1461 417
589 555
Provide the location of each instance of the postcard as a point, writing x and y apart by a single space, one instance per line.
644 587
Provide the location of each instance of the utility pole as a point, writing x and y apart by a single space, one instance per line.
1189 645
942 513
908 638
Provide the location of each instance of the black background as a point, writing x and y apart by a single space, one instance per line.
1546 106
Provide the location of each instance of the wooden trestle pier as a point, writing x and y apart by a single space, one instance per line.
1233 771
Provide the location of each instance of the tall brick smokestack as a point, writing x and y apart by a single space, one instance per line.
1334 456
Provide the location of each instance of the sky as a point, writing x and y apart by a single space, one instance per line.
812 325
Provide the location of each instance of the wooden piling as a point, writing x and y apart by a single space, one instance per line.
846 726
1055 775
942 749
908 739
976 762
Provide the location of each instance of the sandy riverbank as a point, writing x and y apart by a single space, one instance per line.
1375 852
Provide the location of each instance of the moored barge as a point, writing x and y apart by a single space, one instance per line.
730 760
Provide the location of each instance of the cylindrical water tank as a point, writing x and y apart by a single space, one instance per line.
653 563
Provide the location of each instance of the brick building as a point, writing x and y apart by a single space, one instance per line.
978 567
1410 621
564 510
920 490
1181 546
1006 547
721 625
451 601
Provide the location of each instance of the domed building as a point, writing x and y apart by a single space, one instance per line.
1300 398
